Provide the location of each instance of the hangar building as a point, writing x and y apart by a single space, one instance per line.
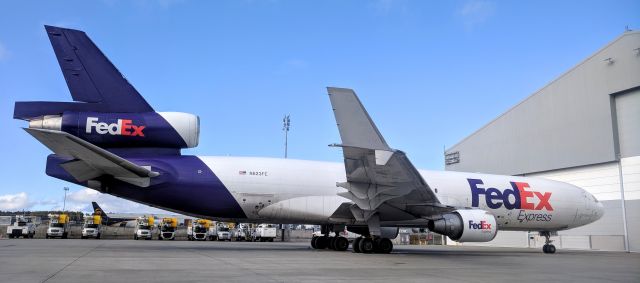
582 128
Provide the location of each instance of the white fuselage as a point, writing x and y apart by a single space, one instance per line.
274 190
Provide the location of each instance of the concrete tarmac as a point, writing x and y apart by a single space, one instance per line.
55 260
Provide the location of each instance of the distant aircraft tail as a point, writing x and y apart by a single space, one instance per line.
98 210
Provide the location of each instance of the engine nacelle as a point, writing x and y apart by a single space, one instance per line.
466 225
111 130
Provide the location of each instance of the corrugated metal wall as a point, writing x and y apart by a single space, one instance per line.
570 122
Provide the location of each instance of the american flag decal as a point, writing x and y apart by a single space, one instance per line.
243 172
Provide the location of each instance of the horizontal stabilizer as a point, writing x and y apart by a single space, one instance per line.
90 161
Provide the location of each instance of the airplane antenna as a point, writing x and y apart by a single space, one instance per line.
286 122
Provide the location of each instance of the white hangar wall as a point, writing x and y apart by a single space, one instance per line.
583 128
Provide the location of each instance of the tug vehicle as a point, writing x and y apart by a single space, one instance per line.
92 227
168 228
58 226
23 227
144 227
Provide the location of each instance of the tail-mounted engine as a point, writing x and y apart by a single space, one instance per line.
111 130
468 225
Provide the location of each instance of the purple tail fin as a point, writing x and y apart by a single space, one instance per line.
92 79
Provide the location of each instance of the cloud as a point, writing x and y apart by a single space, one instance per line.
475 12
4 53
385 7
15 202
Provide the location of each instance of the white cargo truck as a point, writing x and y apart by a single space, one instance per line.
168 228
58 226
264 233
200 230
223 232
240 232
144 228
23 227
92 227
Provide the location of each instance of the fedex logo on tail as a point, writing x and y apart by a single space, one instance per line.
123 127
523 197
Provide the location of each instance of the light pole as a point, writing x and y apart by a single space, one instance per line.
64 205
286 122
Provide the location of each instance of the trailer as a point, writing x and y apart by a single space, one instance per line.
58 226
92 227
22 227
168 228
264 233
144 227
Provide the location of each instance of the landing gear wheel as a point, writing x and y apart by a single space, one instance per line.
356 245
340 244
332 243
313 242
322 242
366 245
548 248
383 245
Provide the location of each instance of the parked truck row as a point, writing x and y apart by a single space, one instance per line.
146 228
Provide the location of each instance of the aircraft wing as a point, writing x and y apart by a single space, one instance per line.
90 161
381 181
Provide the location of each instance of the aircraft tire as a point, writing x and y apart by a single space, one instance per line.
356 245
322 242
341 244
366 245
383 246
549 249
332 243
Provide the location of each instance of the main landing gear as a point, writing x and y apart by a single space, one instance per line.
367 245
335 243
548 248
364 245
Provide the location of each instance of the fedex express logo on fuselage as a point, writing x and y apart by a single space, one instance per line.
523 198
123 127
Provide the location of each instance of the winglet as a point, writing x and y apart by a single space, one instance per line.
354 123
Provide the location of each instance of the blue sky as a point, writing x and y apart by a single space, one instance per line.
429 72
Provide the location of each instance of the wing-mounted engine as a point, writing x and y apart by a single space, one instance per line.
113 130
466 225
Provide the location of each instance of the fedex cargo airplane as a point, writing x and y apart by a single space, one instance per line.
110 139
